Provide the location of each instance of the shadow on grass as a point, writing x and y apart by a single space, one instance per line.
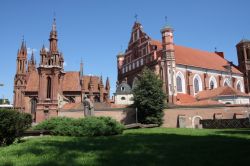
138 149
242 131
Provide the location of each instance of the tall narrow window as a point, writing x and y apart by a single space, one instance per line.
238 87
212 85
248 53
33 108
33 105
48 87
196 85
179 84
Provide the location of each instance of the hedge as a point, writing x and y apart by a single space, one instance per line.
12 125
89 126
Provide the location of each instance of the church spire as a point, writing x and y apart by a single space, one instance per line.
107 87
32 59
22 59
32 63
53 37
81 68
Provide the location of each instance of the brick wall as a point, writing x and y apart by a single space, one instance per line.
192 116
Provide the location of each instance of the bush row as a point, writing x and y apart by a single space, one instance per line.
89 126
12 125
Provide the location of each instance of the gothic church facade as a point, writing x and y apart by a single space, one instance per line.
44 90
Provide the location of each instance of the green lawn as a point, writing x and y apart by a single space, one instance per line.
158 146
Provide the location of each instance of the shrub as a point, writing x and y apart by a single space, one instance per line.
12 125
89 126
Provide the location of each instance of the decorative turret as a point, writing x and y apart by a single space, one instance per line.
32 63
53 38
81 69
107 86
101 88
167 42
120 59
22 59
20 77
52 58
100 83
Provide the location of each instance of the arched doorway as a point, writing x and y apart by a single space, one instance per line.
196 122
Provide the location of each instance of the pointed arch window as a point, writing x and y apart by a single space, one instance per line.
179 84
211 85
197 84
48 87
226 82
212 82
239 86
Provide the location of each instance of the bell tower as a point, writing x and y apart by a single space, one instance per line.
243 53
51 74
168 65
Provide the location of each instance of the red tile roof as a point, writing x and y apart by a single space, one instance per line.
203 59
71 81
201 103
198 58
184 98
221 91
33 83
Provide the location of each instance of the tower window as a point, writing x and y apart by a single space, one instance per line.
48 87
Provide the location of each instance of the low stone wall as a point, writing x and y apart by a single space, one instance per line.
190 117
123 115
173 117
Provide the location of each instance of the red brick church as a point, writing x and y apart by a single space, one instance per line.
185 72
46 89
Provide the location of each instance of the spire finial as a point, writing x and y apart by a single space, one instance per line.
54 22
32 56
81 68
136 17
166 20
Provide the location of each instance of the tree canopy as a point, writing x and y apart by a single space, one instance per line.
149 97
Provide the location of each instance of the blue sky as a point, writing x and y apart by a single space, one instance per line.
96 29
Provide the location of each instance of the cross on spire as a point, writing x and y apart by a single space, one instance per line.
166 19
136 17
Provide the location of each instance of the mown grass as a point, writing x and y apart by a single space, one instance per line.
158 146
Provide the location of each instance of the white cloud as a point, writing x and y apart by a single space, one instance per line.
46 49
29 50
